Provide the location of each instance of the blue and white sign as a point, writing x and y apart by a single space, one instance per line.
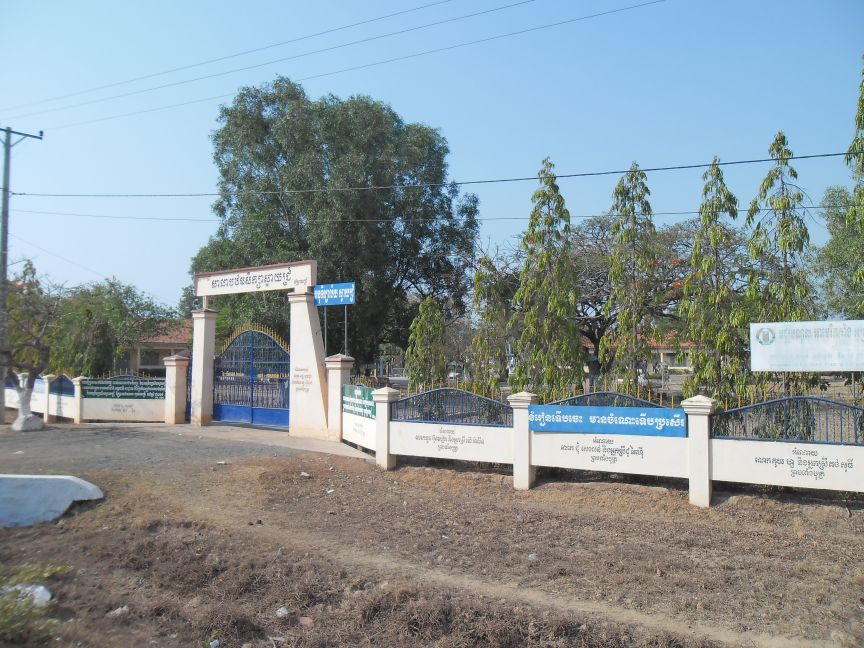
637 421
341 294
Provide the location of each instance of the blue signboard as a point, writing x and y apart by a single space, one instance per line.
639 421
341 294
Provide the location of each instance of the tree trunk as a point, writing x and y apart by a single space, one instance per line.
26 420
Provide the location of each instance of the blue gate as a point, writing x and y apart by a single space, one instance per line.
251 379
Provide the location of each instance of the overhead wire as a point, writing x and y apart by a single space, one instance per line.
365 66
219 59
423 185
387 220
54 254
284 59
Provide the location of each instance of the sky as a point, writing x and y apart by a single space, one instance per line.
668 83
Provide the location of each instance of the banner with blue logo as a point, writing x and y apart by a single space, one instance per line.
638 421
341 294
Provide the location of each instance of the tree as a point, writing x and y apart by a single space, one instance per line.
778 285
549 353
100 323
494 288
710 310
33 306
425 362
627 345
855 213
839 259
779 235
349 184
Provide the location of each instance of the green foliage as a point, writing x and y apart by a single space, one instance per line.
494 288
779 288
98 324
32 312
840 258
20 620
855 212
633 264
711 307
425 363
779 236
277 151
549 353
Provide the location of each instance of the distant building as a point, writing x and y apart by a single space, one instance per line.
147 357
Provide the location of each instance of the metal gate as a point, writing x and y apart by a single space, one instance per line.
251 380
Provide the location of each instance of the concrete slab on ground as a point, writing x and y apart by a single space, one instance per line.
30 499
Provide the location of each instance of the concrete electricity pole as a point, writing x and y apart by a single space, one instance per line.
4 260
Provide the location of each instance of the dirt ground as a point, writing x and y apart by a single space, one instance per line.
432 555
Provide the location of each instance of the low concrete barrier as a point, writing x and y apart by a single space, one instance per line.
30 499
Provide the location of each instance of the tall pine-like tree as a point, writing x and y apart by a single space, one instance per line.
549 353
710 309
855 160
425 363
779 237
492 301
627 346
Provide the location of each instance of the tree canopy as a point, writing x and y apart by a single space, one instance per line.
350 184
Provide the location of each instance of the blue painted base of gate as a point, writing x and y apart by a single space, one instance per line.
269 416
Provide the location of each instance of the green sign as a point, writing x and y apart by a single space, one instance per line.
124 388
357 400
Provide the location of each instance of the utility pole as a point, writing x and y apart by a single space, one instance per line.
4 261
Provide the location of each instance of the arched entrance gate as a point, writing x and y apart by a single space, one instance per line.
251 379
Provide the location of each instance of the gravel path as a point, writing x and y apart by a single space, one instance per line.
78 449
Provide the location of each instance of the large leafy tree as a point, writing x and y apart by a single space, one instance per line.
549 353
633 293
838 261
425 361
349 184
99 323
711 306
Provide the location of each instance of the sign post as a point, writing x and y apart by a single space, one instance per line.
341 294
807 346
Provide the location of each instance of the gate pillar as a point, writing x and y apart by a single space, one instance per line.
203 343
308 391
338 374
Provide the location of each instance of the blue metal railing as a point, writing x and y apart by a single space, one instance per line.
454 406
63 386
606 399
796 418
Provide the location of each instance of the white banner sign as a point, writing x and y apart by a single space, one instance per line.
807 346
295 277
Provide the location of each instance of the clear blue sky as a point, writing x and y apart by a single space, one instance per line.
676 82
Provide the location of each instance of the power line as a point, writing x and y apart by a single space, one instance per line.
62 258
227 57
322 50
373 64
587 174
387 220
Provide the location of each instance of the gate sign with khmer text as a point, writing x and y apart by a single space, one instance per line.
295 277
807 346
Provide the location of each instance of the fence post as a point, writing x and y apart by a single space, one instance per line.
203 342
79 400
382 398
523 472
175 389
46 414
338 374
698 409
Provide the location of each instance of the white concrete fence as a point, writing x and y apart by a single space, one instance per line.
121 398
529 443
